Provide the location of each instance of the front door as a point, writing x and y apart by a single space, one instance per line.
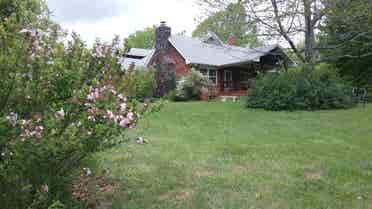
228 82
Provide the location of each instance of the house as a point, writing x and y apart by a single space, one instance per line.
230 68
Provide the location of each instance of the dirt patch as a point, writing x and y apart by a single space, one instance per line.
204 173
243 168
93 190
180 196
184 195
314 175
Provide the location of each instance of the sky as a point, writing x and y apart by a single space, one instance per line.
104 19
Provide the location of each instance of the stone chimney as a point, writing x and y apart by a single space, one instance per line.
163 32
232 40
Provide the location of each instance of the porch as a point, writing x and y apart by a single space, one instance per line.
230 81
235 81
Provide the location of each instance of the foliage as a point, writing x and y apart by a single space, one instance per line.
140 83
230 21
59 104
299 89
189 87
144 39
348 31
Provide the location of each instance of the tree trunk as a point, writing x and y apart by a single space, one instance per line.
309 34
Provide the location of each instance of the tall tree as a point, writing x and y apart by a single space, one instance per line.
230 21
142 39
289 20
347 39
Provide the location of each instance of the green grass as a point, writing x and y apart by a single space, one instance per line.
222 155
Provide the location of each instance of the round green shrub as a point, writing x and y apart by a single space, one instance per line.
301 89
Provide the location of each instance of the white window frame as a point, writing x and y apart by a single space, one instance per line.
231 75
208 73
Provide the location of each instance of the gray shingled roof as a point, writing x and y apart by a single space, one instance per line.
139 52
144 62
195 51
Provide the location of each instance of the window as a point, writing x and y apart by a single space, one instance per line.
210 74
213 76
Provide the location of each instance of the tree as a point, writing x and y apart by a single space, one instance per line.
230 21
142 39
347 39
285 19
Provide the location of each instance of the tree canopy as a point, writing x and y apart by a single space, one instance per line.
231 20
142 39
346 39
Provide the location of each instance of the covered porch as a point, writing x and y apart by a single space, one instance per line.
236 80
232 81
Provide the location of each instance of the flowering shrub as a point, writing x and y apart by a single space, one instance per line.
190 87
59 104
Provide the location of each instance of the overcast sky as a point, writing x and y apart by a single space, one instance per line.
105 18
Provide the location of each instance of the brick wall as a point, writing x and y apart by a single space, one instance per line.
175 59
180 64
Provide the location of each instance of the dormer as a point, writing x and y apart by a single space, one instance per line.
212 38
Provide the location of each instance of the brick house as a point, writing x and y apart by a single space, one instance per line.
230 68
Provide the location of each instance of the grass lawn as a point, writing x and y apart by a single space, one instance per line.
222 155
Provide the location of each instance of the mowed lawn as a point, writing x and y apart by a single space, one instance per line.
223 155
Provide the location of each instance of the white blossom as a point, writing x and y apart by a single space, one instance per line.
87 171
61 113
12 118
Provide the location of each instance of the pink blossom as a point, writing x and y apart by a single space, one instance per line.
124 122
123 107
130 116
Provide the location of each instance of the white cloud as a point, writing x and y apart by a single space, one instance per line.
180 15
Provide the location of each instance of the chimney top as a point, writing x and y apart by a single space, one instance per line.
232 40
163 32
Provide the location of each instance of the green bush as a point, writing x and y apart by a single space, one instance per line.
301 89
140 83
189 87
174 96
